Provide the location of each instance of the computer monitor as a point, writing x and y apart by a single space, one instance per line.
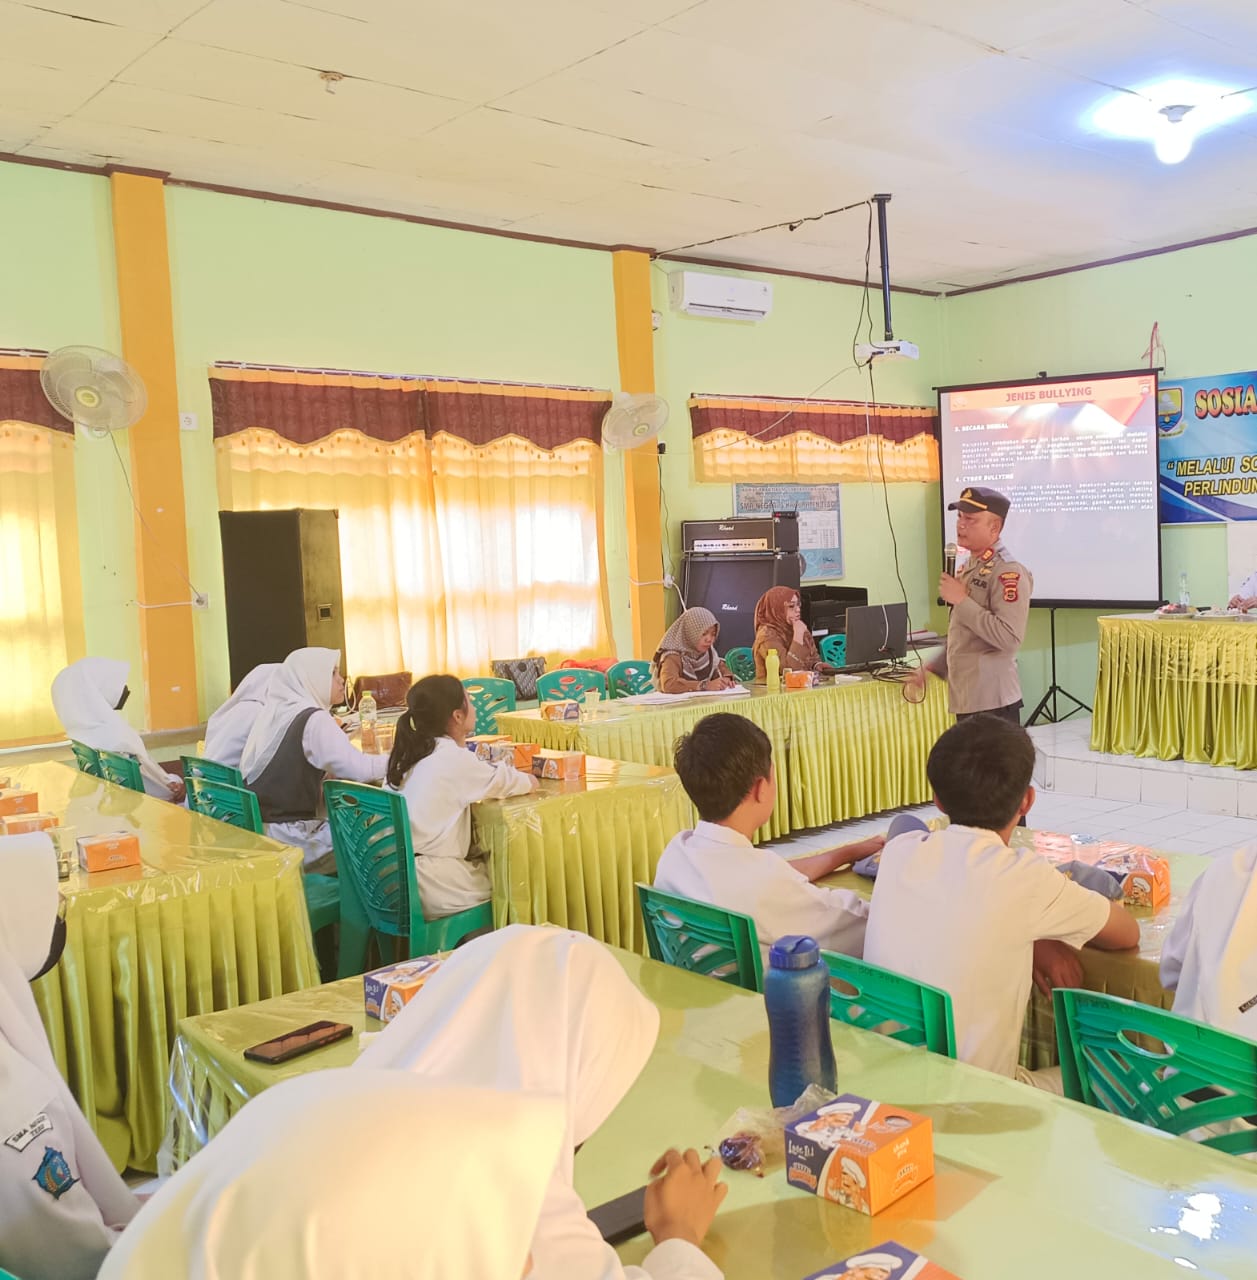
876 633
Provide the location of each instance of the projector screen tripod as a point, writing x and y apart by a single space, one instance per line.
1055 691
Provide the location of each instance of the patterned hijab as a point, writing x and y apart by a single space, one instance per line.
682 637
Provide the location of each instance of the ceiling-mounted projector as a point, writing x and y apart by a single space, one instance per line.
898 348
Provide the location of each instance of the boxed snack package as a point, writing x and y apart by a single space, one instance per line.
15 800
476 740
519 754
889 1261
563 765
799 679
109 851
1144 877
565 710
860 1153
387 991
21 823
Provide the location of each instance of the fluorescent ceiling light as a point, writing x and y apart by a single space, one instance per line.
1171 114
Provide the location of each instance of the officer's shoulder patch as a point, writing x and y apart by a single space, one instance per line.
53 1174
1010 582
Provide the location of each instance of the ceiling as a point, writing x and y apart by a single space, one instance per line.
662 122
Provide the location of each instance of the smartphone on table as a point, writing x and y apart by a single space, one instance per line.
292 1044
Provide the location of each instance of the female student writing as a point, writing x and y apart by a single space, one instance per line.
295 744
779 625
88 697
431 766
686 660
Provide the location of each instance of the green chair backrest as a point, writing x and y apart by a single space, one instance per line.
741 661
87 758
834 650
570 682
199 767
488 695
899 1007
234 805
625 679
1194 1076
122 770
702 938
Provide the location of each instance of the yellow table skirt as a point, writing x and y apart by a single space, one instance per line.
571 853
1177 689
214 918
841 751
1026 1185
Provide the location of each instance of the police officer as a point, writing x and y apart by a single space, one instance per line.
990 602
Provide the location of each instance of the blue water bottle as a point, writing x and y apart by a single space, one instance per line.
796 994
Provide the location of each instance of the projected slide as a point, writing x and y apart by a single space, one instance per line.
1078 459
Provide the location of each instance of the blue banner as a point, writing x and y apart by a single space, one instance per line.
1207 449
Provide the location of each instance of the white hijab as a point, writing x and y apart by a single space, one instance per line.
542 1010
28 913
228 729
302 680
353 1175
85 697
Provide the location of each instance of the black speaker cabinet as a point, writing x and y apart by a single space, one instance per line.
282 575
730 586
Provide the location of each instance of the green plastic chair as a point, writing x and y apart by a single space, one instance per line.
199 767
881 1000
122 770
1103 1065
570 682
702 938
631 677
226 802
741 661
87 758
379 892
834 650
488 695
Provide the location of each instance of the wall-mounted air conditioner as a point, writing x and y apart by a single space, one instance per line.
731 297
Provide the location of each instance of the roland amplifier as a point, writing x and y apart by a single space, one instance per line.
739 535
731 583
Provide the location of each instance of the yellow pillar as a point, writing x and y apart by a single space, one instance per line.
161 549
635 342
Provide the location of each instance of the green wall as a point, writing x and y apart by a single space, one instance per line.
58 288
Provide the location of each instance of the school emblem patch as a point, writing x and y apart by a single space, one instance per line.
53 1174
1009 582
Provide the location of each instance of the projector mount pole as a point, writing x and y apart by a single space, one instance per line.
882 201
1055 690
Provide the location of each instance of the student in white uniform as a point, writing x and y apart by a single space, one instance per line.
294 745
961 910
726 767
431 766
228 728
61 1203
547 1011
88 697
1210 958
427 1182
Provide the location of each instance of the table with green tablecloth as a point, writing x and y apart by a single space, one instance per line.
570 853
1027 1185
841 751
1133 974
1177 689
213 918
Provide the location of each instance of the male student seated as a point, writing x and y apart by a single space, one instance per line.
726 768
961 910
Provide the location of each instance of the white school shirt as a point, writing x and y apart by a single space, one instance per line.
960 910
718 865
439 790
1210 958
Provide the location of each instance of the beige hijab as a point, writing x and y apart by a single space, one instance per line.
682 637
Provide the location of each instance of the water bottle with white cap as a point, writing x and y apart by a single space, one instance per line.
796 995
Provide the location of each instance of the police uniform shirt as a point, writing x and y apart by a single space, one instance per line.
50 1226
986 630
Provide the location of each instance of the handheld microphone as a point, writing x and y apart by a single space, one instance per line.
949 559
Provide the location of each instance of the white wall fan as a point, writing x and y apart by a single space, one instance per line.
634 420
95 389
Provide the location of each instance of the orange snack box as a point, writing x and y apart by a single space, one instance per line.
565 710
519 754
860 1153
1144 877
109 851
798 679
15 800
563 765
24 822
389 990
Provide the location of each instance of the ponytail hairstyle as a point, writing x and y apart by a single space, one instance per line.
429 705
